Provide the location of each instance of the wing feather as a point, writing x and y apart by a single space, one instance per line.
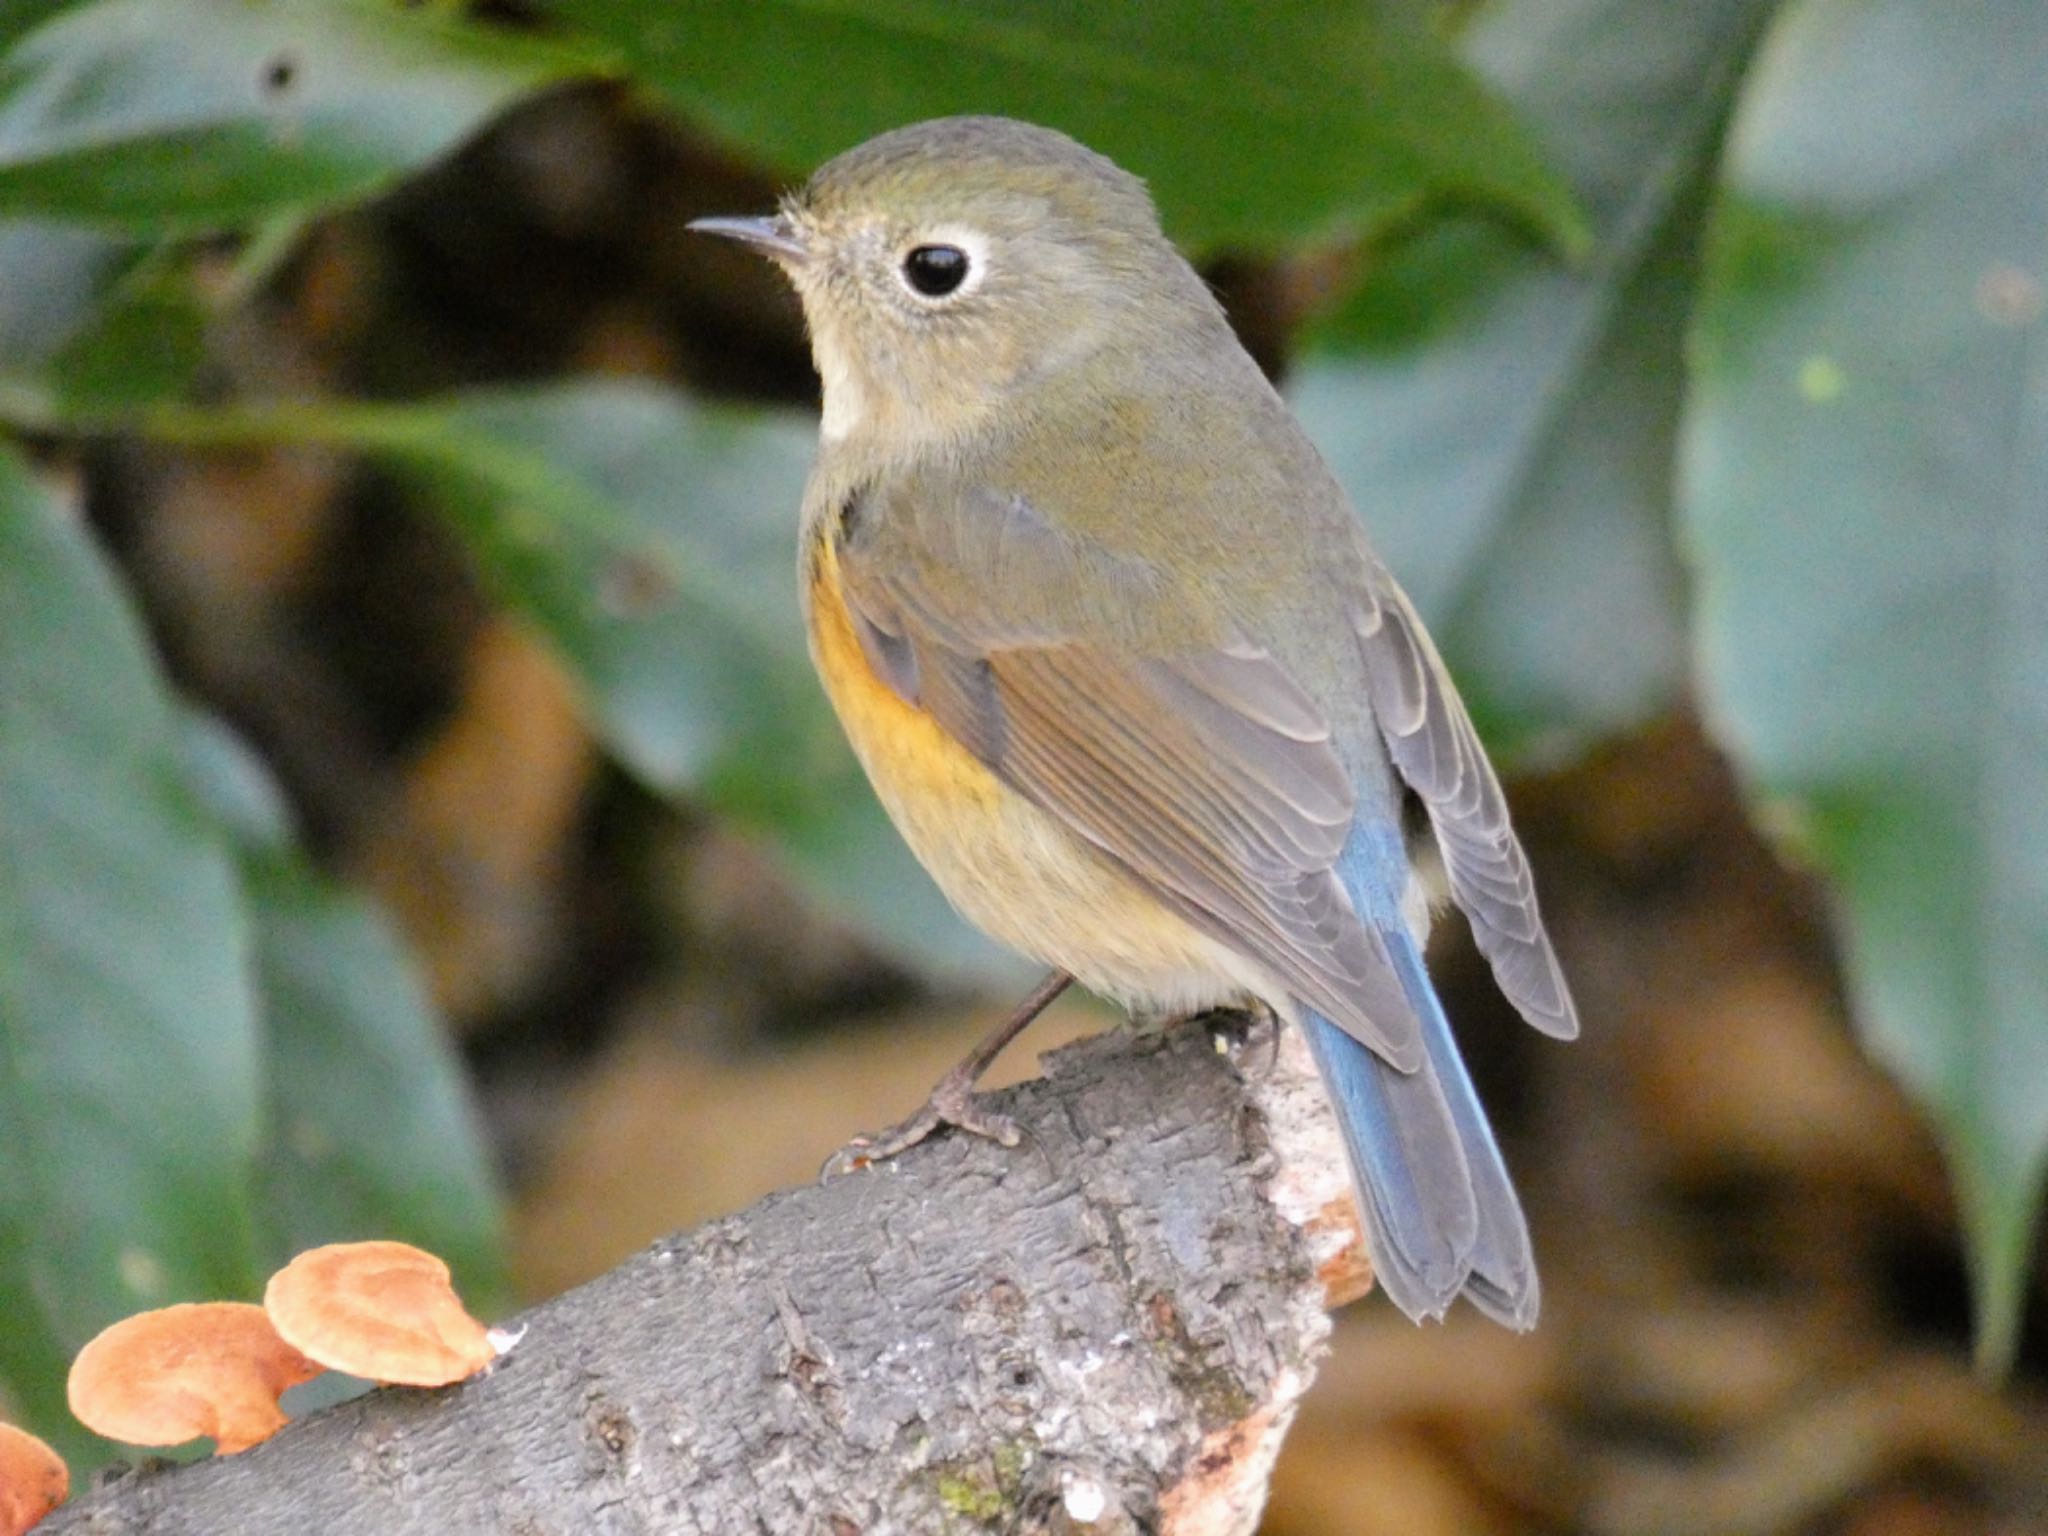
1207 774
1433 744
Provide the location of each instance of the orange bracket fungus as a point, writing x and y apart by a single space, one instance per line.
214 1368
33 1480
385 1311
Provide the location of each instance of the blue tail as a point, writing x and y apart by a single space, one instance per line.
1441 1217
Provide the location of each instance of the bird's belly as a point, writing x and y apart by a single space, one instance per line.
1009 867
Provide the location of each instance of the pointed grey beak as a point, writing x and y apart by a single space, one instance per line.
773 235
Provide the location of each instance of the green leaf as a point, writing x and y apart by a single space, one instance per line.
92 323
144 343
184 115
53 279
1866 464
369 1130
20 17
1252 123
128 1054
654 543
1506 425
651 540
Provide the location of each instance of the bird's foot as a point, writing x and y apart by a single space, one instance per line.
1232 1030
951 1104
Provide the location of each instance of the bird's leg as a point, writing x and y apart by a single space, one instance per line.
952 1101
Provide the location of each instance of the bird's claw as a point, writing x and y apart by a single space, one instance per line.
944 1108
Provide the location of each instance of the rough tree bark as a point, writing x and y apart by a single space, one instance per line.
1104 1330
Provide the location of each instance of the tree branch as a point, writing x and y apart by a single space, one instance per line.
1106 1329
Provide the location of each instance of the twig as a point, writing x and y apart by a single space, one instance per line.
1105 1330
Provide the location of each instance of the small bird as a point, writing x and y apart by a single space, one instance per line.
1113 649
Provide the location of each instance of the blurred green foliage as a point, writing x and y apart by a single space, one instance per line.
1854 372
1866 491
1254 124
210 1056
1520 479
149 116
132 1074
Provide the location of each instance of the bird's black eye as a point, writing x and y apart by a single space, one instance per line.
935 270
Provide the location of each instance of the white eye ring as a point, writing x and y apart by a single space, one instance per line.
971 247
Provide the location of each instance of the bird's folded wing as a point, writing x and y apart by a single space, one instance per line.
1433 744
1207 774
